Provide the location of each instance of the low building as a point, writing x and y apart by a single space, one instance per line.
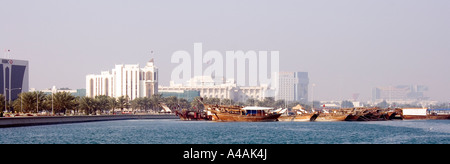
208 88
184 94
74 92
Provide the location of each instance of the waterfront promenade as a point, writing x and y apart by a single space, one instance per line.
45 120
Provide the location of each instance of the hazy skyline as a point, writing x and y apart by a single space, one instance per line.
347 46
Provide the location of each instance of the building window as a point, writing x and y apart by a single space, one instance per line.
106 87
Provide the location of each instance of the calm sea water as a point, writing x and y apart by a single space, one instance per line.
181 132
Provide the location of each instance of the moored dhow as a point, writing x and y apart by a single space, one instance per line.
304 117
185 114
229 113
331 115
301 115
370 114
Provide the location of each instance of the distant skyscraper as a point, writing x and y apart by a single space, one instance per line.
293 86
124 80
13 78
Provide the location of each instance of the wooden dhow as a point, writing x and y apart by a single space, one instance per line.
229 113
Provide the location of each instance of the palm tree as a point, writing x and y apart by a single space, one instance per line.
279 104
123 102
227 102
31 102
63 101
268 102
113 104
147 102
155 100
251 102
137 103
2 102
171 102
184 104
102 103
87 104
212 100
41 101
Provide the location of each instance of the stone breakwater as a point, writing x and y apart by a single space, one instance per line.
38 120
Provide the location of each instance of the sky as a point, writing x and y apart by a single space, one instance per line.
347 46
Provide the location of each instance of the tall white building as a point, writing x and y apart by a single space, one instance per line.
124 80
293 86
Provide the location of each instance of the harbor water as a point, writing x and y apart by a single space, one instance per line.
202 132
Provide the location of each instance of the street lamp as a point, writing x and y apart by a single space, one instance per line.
10 95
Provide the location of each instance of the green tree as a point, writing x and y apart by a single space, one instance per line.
184 104
278 104
346 104
87 104
113 104
155 100
138 103
227 102
383 104
31 102
2 102
102 103
63 101
123 102
147 103
171 102
213 100
251 102
268 102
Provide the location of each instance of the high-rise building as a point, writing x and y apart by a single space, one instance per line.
293 86
124 80
13 78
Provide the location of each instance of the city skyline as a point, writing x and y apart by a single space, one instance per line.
347 47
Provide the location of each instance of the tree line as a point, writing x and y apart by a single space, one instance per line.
65 102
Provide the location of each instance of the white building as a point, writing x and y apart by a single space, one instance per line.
53 90
124 80
226 90
293 86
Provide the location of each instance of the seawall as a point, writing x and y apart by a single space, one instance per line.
30 121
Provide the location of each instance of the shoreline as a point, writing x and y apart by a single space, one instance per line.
6 122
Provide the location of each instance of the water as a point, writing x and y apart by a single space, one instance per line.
182 132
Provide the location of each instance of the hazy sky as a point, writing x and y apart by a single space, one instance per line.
347 46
